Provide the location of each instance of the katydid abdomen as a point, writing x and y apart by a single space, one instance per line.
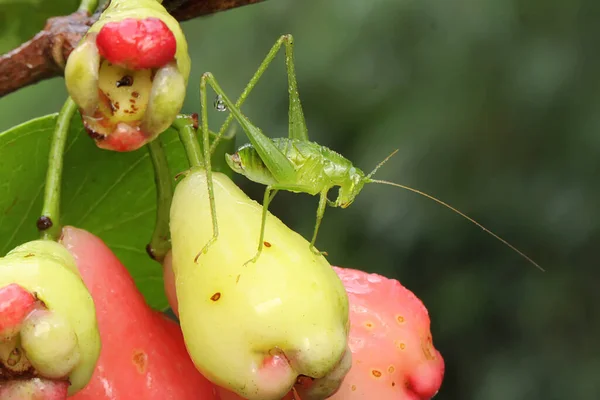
318 168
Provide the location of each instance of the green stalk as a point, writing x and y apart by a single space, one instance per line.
88 6
187 134
49 222
160 244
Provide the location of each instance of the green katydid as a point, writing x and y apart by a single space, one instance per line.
294 163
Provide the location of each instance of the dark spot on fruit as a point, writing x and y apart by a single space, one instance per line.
391 369
427 347
140 360
29 255
127 80
132 101
393 384
237 279
216 296
44 223
180 174
97 136
267 244
113 107
376 373
400 319
135 95
353 387
369 325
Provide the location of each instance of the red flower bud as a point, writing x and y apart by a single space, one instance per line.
137 43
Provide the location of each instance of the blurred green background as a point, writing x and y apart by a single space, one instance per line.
494 106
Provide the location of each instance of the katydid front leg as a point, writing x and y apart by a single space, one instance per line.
261 237
208 168
268 196
277 163
187 133
320 212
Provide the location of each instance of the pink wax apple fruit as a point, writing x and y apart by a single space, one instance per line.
49 340
34 389
15 304
143 354
393 357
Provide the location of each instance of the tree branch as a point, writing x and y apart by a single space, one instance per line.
188 9
44 56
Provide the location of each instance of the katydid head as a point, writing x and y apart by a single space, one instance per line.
349 191
356 182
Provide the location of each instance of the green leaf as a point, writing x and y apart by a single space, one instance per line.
21 19
109 194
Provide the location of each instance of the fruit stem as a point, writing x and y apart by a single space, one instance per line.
160 244
88 6
185 126
49 222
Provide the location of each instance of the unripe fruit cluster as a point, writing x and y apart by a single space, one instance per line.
128 75
47 320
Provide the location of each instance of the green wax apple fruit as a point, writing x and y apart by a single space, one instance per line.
253 329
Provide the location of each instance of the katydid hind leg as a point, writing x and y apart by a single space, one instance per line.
293 90
297 123
268 196
280 167
320 212
270 193
208 169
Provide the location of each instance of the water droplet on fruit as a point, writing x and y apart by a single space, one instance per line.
220 104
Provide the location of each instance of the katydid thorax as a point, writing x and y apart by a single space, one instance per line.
294 163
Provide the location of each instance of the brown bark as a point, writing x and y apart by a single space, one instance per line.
188 9
44 56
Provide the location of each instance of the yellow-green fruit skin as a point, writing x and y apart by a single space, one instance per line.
47 269
232 315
